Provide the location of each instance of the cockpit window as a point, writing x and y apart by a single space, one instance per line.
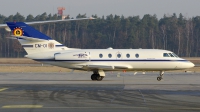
165 55
171 55
175 55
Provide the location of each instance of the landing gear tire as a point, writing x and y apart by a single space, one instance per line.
93 77
96 77
159 78
99 78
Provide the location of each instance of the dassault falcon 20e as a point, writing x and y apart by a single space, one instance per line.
42 48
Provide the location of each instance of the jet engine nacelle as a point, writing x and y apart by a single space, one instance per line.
72 56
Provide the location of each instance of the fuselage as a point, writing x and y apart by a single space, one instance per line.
114 59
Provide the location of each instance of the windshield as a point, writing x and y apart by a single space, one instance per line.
175 55
171 55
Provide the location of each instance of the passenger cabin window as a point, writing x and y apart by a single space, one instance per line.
118 55
109 55
137 55
101 55
165 55
128 55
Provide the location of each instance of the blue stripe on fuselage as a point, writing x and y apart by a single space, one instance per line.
27 45
118 60
60 45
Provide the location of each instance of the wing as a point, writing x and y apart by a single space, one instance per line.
3 25
102 67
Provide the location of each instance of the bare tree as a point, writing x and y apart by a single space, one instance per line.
17 47
163 28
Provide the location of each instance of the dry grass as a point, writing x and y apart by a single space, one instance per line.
17 61
27 69
195 60
194 69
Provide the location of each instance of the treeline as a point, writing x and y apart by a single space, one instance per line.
175 33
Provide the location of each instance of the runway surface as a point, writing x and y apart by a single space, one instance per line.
61 92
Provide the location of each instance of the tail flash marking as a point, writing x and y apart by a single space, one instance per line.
18 31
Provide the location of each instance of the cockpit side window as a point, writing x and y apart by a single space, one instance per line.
165 55
171 55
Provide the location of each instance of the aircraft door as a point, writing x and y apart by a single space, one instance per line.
87 54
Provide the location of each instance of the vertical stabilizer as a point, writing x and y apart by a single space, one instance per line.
32 40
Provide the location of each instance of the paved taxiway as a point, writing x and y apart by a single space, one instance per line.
50 92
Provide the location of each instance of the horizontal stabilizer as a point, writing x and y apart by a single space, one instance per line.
3 25
54 21
49 21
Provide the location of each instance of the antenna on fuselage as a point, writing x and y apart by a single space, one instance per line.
110 48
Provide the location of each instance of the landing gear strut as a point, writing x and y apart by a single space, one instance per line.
96 75
159 78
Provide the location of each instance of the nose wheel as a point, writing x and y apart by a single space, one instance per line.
159 78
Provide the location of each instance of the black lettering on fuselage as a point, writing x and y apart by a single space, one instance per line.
40 45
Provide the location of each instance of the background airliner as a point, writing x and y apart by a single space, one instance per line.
42 48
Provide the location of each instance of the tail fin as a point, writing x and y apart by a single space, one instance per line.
32 40
22 29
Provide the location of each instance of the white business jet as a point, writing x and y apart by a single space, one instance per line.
42 48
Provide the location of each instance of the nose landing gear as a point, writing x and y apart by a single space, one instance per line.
159 78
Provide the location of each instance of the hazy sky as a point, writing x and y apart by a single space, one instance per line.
188 8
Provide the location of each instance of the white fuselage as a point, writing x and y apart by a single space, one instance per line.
113 59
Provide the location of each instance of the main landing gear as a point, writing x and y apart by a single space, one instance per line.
98 75
159 78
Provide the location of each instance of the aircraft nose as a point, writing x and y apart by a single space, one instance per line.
189 64
185 65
